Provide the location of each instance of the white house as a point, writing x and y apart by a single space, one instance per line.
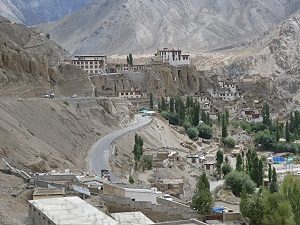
133 93
174 57
93 64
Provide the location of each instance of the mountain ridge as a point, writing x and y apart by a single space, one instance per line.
120 27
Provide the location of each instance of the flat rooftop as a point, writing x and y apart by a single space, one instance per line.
183 222
132 218
71 210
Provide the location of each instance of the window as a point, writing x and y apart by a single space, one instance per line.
85 63
91 63
92 71
82 67
86 67
193 160
96 63
81 63
77 63
91 67
96 71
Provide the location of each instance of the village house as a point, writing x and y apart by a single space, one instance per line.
174 57
133 93
120 68
196 160
133 192
93 64
174 186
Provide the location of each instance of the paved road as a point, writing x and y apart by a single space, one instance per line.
100 152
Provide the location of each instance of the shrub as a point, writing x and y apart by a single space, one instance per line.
228 142
265 139
147 162
205 131
192 132
66 103
131 180
235 180
187 125
226 169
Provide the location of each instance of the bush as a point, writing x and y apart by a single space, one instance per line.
235 124
66 103
205 131
187 125
235 180
226 169
147 162
131 180
192 132
228 142
265 139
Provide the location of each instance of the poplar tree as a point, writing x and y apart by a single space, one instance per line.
151 100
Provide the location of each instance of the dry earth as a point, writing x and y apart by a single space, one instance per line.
43 134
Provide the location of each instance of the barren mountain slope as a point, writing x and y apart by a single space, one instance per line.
32 12
122 26
29 65
274 54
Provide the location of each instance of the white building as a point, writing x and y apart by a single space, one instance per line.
174 57
93 64
67 210
196 160
133 93
137 194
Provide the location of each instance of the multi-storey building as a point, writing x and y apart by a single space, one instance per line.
174 57
93 64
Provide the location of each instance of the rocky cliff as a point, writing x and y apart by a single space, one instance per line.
161 80
123 26
29 65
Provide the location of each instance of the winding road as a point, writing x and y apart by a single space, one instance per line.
100 152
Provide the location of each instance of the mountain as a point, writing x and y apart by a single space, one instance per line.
142 26
33 12
29 65
274 54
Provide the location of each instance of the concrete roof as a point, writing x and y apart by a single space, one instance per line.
183 222
72 210
131 218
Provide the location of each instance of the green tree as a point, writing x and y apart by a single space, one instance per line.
277 135
131 180
195 114
224 126
251 207
151 101
227 117
276 210
147 162
219 157
266 114
270 173
260 176
235 180
202 199
228 142
226 169
265 139
192 132
205 131
287 132
239 163
290 188
226 159
172 105
163 104
274 184
130 59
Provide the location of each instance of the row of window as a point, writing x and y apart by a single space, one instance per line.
85 62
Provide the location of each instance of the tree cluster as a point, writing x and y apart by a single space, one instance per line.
188 114
202 200
277 208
